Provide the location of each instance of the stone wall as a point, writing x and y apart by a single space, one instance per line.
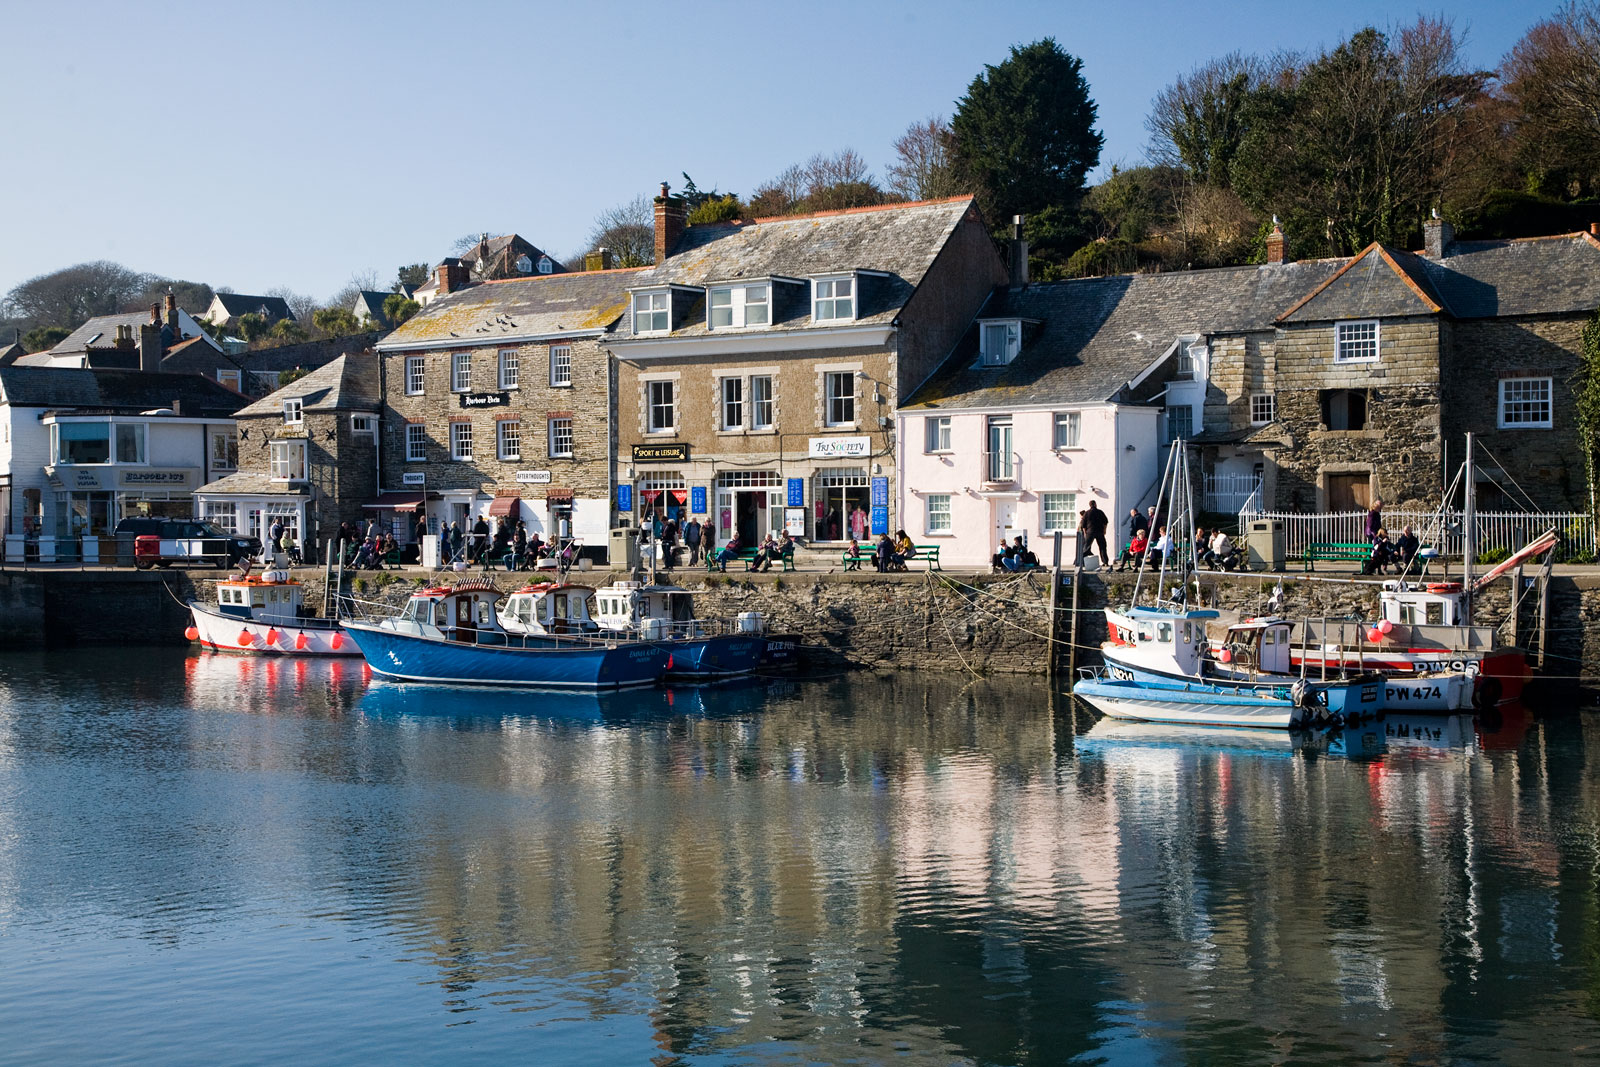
1543 461
967 269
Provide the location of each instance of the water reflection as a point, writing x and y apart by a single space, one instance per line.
826 870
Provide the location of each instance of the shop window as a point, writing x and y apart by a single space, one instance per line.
846 499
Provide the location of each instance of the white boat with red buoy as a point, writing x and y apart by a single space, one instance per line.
264 614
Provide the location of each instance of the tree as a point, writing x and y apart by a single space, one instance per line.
821 183
1197 122
41 338
411 275
71 296
1359 144
193 297
251 327
1553 77
292 374
1024 133
287 332
397 308
923 168
336 321
720 210
303 306
629 231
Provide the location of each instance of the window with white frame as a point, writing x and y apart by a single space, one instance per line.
288 460
510 368
1060 512
1263 408
229 377
293 412
560 365
416 442
1069 429
1525 403
461 372
364 424
413 375
663 413
223 515
999 342
224 450
762 415
733 403
560 438
937 430
1355 342
833 299
737 305
510 444
461 440
652 312
938 513
840 389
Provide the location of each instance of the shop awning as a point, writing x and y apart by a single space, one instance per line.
558 496
398 501
504 505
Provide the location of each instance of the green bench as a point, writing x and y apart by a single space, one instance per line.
928 554
748 558
1353 552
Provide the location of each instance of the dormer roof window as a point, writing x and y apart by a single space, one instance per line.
733 306
833 298
999 341
652 312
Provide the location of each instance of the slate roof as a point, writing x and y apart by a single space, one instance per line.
371 303
116 390
494 249
251 483
10 353
1094 335
236 304
102 330
349 383
901 240
539 306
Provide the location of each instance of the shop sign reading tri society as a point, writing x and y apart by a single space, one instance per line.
840 447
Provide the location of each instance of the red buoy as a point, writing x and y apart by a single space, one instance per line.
336 642
245 637
272 637
192 633
1374 635
300 641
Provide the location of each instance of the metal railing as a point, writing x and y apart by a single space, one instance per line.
1001 466
1229 492
1497 531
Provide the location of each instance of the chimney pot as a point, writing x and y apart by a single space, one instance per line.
1277 247
1438 235
1594 228
155 314
671 218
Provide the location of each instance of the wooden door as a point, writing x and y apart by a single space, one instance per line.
1349 492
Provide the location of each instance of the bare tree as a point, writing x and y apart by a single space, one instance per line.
629 231
303 306
72 295
1197 122
923 168
1553 76
821 183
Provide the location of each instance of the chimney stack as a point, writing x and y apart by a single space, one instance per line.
1438 235
671 218
599 259
172 315
1019 253
155 315
150 347
451 275
1277 247
1594 229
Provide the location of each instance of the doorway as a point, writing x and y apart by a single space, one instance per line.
1349 492
750 516
1005 521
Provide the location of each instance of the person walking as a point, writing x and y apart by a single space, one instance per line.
1374 519
1096 523
691 538
480 539
456 541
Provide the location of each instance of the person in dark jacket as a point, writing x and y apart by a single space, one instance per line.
1407 547
1095 526
1374 520
691 538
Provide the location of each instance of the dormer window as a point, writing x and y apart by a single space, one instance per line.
652 312
737 305
524 264
546 265
1188 358
833 299
999 342
293 414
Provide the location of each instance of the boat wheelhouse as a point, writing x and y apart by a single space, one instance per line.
552 608
701 648
265 614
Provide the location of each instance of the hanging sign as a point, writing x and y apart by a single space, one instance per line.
661 453
797 492
880 492
414 478
697 500
624 498
485 400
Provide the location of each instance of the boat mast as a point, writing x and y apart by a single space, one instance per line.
1161 498
1469 533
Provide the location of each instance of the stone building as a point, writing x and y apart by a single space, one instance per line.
306 455
497 401
760 364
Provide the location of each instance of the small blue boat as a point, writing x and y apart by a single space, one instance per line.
450 635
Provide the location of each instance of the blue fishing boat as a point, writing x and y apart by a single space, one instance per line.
451 635
701 648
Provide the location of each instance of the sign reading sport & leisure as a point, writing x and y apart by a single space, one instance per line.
661 453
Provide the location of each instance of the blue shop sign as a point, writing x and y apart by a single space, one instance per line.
880 493
697 499
880 519
797 493
624 498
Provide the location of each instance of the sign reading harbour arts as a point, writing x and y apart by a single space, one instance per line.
840 447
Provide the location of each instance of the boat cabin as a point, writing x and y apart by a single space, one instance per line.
650 610
269 597
1160 640
1435 604
558 608
1256 646
455 614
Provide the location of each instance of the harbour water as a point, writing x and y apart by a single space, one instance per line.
228 860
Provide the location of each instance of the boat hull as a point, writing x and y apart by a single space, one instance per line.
1507 668
220 633
724 656
1193 704
574 665
1358 697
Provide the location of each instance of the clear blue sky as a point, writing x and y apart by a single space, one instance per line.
295 144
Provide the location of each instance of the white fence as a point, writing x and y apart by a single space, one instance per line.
1496 531
1229 492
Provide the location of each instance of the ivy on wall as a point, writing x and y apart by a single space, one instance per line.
1586 397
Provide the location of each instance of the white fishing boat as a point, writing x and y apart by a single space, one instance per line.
701 648
265 614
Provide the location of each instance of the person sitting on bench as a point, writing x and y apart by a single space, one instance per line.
729 551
